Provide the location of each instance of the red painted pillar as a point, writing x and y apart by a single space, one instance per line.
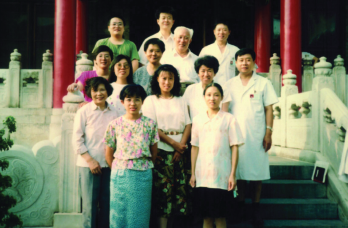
290 38
64 49
262 36
81 26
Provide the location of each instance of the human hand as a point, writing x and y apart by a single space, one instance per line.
232 183
94 166
176 157
193 181
180 147
267 141
72 87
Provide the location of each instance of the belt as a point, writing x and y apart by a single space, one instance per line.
171 132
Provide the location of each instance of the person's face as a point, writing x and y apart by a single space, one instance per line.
212 97
165 21
103 60
206 74
182 40
116 26
245 64
153 53
221 32
122 69
99 96
166 81
132 104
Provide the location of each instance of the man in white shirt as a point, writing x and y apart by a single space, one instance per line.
165 20
182 58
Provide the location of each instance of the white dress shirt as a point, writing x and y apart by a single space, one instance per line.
88 133
170 115
184 65
169 44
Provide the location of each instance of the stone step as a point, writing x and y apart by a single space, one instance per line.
294 224
297 209
304 189
288 169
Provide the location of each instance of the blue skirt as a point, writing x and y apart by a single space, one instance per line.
130 198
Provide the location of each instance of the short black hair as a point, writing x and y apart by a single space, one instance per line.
133 90
93 83
208 61
216 85
245 51
154 41
102 48
120 17
113 76
223 21
156 90
165 9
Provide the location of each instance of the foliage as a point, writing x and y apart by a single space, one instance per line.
7 219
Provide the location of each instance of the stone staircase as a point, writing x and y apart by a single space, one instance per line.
291 199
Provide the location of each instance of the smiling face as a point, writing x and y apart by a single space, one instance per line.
132 104
116 26
182 40
165 21
221 32
245 64
99 96
166 81
153 53
212 98
122 69
206 75
103 60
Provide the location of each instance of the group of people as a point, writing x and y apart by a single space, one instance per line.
179 135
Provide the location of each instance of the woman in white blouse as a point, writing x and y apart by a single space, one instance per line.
90 125
215 139
122 70
170 111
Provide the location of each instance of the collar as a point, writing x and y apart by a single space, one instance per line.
218 116
175 53
160 36
95 107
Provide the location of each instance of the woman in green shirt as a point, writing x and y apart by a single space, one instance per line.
117 44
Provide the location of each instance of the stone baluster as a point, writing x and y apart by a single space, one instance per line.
322 77
275 73
46 81
293 111
308 73
82 65
305 109
327 116
276 112
341 133
340 79
14 79
78 56
69 200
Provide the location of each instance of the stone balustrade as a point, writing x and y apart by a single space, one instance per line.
275 73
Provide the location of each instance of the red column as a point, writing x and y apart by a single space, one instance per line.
81 26
64 49
262 36
290 38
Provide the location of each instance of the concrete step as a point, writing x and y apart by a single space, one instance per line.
288 169
293 224
297 209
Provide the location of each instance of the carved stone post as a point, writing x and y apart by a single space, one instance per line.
275 74
83 64
47 79
288 89
69 200
340 79
308 73
14 79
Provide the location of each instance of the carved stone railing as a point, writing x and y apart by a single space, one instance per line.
83 64
308 74
340 79
275 74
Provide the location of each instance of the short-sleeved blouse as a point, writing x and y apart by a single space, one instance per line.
114 98
132 140
83 78
128 48
170 115
214 137
143 78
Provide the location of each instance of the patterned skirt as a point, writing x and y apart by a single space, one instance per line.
170 187
130 198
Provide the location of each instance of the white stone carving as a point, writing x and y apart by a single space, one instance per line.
340 79
83 64
327 116
30 95
276 112
323 68
293 111
305 109
289 78
4 89
341 133
275 74
308 74
14 79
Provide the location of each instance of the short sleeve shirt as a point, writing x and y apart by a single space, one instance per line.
128 48
214 137
132 140
143 78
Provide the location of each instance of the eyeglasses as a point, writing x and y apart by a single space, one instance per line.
125 66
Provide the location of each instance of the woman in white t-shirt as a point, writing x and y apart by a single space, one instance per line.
122 70
170 111
215 139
